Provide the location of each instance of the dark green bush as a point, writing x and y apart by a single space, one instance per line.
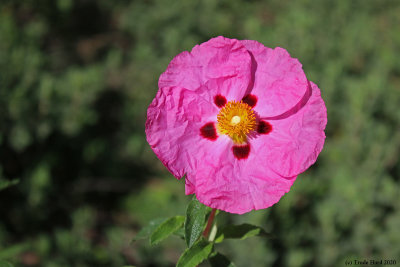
76 78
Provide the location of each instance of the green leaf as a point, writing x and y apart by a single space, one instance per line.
219 260
180 232
241 231
149 229
5 264
196 254
6 183
166 229
195 221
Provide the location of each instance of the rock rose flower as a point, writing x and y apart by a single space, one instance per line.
239 119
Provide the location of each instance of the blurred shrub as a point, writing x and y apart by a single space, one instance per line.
76 78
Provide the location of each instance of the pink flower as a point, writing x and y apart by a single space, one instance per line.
241 120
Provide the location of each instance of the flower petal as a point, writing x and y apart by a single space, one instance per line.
185 100
279 81
297 137
174 120
237 186
221 65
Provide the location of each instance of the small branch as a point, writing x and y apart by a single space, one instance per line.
209 223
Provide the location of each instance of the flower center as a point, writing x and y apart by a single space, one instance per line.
237 120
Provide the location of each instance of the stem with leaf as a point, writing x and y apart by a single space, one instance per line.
190 227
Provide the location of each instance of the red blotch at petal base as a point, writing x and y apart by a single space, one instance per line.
209 132
241 152
219 100
250 100
264 127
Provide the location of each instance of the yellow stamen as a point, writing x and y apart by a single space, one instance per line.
237 120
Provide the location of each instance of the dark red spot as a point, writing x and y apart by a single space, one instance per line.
208 131
219 100
241 152
264 127
250 100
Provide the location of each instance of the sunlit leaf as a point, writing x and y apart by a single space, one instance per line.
195 254
241 231
195 220
166 228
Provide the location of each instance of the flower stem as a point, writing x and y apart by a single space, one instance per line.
209 223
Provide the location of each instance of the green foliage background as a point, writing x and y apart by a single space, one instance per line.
76 78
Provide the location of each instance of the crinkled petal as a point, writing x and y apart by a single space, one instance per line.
185 100
297 137
221 65
237 186
279 81
174 119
